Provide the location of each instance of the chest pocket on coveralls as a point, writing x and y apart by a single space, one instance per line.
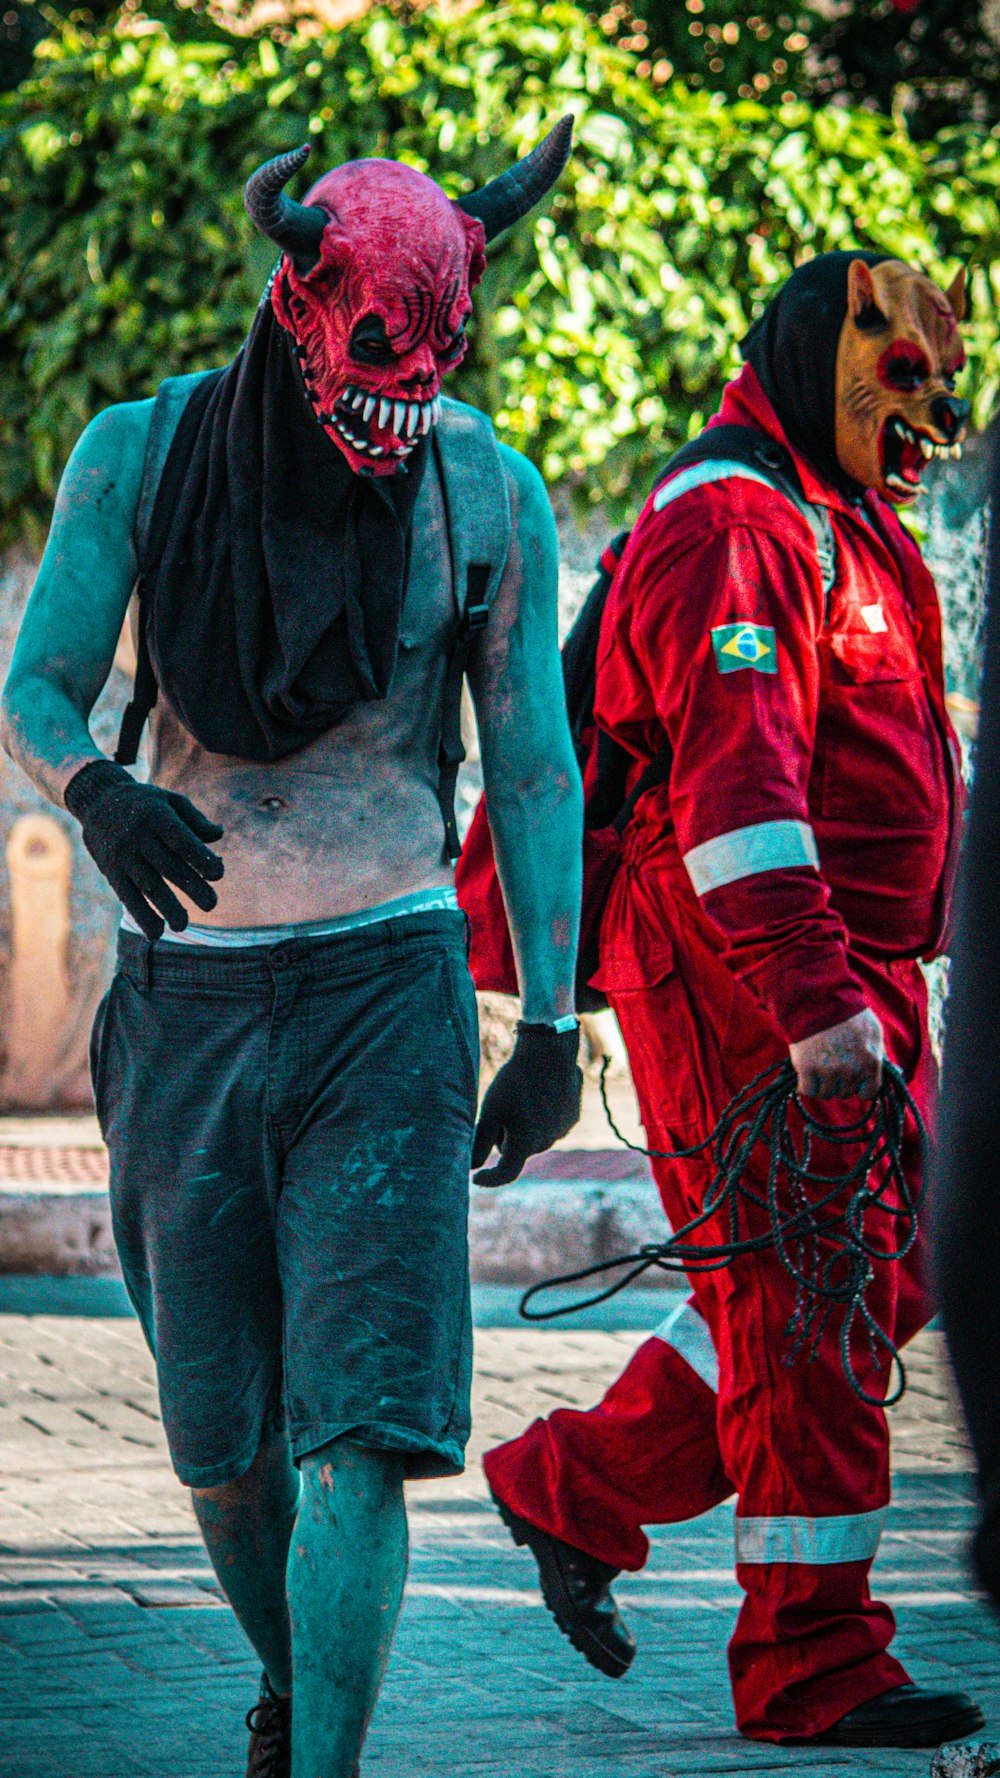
876 738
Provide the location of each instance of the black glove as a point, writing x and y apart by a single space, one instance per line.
140 838
534 1100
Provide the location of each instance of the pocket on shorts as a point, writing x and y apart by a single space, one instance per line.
98 1051
462 1014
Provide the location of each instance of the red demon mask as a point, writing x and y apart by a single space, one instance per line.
375 286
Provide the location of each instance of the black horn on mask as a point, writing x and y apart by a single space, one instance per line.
296 228
510 196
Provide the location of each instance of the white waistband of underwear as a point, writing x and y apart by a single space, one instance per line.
230 938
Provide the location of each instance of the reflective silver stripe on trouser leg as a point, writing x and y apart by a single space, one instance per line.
833 1538
686 1331
815 1543
749 851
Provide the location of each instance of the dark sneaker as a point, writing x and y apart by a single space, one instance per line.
575 1588
270 1725
907 1716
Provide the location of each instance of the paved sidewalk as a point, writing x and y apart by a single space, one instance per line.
121 1661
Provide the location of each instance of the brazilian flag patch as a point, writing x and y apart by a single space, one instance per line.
744 645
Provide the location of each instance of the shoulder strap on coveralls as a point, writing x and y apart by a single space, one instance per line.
717 454
477 513
171 398
722 452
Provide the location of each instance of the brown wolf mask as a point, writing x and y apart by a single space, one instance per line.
898 354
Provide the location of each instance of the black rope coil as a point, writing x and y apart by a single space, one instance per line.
819 1224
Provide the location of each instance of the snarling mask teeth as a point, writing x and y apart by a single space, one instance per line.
902 465
355 422
905 453
928 447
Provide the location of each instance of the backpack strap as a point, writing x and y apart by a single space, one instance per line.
171 398
476 501
477 512
145 692
717 454
721 452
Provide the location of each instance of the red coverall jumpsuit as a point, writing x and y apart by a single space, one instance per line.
792 873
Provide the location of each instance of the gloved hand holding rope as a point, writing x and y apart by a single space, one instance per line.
819 1224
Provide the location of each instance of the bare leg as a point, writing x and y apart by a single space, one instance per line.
346 1570
247 1527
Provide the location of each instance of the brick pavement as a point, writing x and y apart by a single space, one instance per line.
119 1659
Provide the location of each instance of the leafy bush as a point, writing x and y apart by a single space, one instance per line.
930 60
607 322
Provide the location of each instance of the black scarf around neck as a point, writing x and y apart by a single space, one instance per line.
274 576
792 350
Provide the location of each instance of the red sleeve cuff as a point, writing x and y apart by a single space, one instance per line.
789 948
812 995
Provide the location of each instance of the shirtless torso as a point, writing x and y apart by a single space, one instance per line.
352 820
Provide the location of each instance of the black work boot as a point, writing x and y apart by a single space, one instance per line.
906 1716
270 1725
575 1588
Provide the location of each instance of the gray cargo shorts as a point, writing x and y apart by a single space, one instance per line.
290 1130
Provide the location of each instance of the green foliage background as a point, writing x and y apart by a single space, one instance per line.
606 324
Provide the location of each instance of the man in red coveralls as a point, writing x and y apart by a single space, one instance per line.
774 900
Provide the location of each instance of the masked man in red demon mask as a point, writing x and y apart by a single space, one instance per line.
323 546
774 899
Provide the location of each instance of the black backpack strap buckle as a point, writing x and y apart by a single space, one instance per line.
145 692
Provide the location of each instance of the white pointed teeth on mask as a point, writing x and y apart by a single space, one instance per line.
375 425
906 450
929 447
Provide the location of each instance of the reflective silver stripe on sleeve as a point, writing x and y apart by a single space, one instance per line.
686 1331
749 851
816 1543
720 470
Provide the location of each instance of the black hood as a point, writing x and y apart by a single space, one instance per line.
274 576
